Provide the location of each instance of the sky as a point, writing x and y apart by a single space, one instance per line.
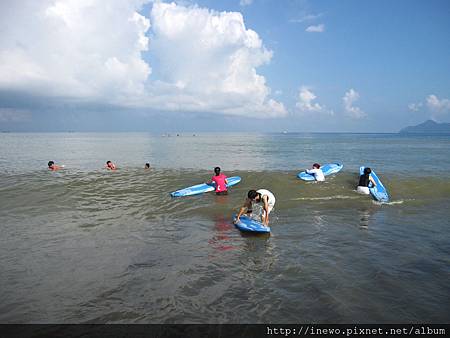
223 65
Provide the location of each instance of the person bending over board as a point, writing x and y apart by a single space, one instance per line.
258 196
110 165
364 181
220 181
53 167
317 172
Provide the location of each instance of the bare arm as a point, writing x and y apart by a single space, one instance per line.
266 208
245 207
373 181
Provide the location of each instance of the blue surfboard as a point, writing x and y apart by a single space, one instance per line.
248 224
327 169
202 188
378 192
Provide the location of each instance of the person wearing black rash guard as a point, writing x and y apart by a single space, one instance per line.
364 181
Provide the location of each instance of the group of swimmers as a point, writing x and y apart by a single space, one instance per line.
109 165
260 196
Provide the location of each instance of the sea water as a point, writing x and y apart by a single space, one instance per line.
89 245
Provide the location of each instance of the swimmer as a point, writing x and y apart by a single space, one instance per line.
110 166
53 167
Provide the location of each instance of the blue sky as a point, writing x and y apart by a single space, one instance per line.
262 65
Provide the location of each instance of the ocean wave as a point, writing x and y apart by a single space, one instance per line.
336 197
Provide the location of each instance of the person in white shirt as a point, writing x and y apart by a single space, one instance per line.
258 196
317 172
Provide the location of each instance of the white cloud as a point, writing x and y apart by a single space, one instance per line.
349 98
306 17
415 106
245 2
214 57
305 102
316 29
76 48
93 50
437 106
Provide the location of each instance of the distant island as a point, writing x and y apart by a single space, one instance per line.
427 127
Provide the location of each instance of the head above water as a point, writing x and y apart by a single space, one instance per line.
316 165
252 194
147 165
367 171
50 163
217 170
108 162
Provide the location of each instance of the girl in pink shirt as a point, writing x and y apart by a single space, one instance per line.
221 182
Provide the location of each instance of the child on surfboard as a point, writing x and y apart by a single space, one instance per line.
220 181
317 172
263 196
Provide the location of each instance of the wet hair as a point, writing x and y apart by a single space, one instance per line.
367 171
217 170
147 165
252 194
108 162
50 163
316 165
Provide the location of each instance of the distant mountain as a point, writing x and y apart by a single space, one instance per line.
428 127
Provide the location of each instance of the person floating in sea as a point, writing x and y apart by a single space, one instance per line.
53 167
364 181
110 166
263 196
220 181
147 166
317 172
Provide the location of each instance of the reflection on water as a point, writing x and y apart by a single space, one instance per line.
366 215
221 240
318 219
258 253
222 199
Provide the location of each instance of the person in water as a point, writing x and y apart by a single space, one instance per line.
220 181
147 166
110 165
317 172
52 166
364 181
263 196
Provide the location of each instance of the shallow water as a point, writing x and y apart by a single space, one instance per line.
87 245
